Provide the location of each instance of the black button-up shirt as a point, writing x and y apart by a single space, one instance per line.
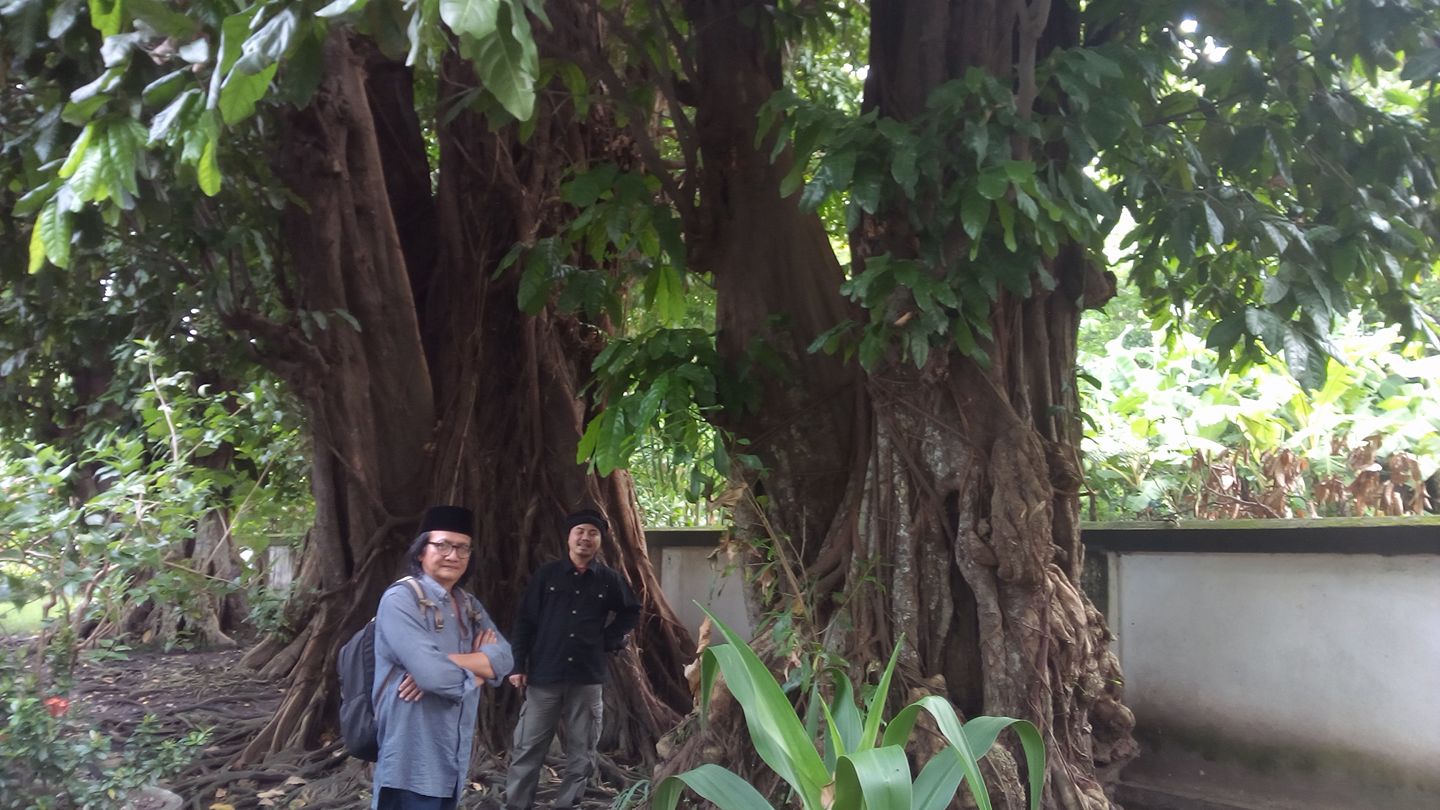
562 634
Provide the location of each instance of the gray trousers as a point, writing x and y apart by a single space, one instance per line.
580 707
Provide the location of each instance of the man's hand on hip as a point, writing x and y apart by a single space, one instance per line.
518 680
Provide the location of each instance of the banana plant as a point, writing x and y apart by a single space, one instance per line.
860 761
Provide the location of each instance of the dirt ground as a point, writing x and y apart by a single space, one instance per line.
211 690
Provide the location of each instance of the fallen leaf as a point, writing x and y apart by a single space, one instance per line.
295 780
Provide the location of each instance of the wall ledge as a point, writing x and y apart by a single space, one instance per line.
1383 536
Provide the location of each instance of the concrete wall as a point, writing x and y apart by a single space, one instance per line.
1337 653
1246 635
693 568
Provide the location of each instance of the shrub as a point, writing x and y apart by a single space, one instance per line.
861 761
53 758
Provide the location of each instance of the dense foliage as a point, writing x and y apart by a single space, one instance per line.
591 160
91 554
1171 435
855 754
53 756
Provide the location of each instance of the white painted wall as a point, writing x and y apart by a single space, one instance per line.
689 574
1339 651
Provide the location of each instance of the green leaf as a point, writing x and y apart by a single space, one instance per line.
992 183
872 349
1270 327
62 17
669 297
234 30
305 68
1213 223
775 729
866 191
241 91
1306 362
208 168
534 288
37 248
339 7
164 20
1018 171
196 52
969 747
981 733
77 151
164 121
106 16
165 88
974 213
53 229
964 336
476 18
88 179
268 45
506 63
877 778
713 784
875 711
575 81
80 112
122 146
720 457
35 199
815 192
977 137
589 440
1422 66
938 781
905 171
585 189
1007 223
846 715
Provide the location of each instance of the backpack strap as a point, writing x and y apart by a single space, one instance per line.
426 604
477 614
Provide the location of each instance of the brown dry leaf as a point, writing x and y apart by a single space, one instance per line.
295 780
219 806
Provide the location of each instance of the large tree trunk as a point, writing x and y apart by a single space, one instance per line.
875 478
446 393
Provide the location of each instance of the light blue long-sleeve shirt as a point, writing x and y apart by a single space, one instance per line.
425 744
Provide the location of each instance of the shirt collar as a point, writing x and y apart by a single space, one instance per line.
575 569
433 588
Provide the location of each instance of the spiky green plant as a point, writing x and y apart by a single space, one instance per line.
859 760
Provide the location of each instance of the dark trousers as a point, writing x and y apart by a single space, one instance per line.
397 799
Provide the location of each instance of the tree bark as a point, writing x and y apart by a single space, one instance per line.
876 478
210 617
447 393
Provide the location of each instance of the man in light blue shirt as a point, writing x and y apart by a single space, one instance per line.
432 654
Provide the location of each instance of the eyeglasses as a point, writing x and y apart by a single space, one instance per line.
446 549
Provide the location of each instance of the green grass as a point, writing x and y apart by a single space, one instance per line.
21 621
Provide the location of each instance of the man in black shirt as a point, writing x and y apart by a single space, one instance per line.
560 642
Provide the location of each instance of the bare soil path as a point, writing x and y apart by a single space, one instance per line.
190 690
